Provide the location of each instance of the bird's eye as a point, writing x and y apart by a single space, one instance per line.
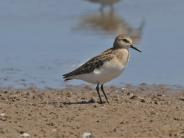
125 40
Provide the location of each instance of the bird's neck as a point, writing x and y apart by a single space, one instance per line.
122 54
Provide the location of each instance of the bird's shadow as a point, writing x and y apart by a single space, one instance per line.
79 102
83 102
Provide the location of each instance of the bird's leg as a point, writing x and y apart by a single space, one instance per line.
111 8
104 93
97 89
102 9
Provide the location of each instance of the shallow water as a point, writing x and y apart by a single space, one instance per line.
41 39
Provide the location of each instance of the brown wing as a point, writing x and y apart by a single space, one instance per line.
90 65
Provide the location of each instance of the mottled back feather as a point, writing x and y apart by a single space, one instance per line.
91 64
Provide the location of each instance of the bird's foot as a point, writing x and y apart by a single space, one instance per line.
101 102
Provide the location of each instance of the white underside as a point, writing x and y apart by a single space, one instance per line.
103 74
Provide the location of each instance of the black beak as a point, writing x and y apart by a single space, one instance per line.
135 48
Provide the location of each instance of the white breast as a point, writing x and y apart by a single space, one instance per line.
107 72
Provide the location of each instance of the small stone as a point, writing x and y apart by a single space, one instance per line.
95 106
132 96
54 130
114 129
142 99
159 94
87 135
151 120
181 98
3 119
122 122
25 135
155 102
5 91
123 89
2 114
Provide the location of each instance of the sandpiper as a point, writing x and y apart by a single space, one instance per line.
106 66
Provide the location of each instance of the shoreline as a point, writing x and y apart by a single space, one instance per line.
134 111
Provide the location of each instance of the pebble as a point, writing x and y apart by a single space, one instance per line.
87 135
2 114
181 98
25 135
3 117
142 99
132 96
123 89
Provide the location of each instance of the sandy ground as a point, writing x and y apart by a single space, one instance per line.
134 112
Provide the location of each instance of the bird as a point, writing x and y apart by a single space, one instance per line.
106 66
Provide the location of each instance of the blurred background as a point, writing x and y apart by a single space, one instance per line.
42 39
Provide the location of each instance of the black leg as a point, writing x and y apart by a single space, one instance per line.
101 8
97 89
104 93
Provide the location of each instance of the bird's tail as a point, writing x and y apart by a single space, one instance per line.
67 77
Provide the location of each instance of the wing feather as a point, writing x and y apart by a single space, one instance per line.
90 65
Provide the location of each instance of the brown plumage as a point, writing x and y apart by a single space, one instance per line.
91 64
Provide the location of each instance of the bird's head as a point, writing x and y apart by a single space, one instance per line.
122 41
